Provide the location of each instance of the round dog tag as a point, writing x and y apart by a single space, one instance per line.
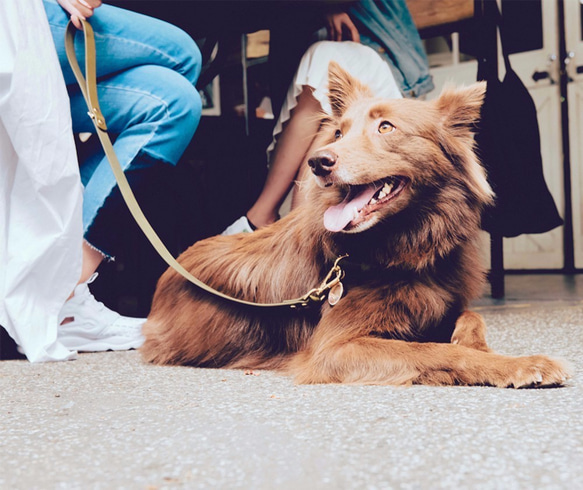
335 293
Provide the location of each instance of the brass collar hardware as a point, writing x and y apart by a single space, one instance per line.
330 284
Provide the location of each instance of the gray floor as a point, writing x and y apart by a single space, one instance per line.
109 421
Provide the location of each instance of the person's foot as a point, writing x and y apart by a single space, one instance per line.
86 324
242 225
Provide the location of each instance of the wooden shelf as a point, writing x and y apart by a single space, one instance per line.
427 14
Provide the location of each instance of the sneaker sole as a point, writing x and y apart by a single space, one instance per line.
81 344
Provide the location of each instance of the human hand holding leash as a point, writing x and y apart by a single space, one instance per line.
79 9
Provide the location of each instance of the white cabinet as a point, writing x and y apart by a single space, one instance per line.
574 69
534 32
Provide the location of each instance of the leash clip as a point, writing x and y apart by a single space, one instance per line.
331 286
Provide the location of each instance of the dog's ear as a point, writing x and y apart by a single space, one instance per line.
460 108
460 112
343 89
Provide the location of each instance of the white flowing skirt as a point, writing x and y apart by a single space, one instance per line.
40 189
362 62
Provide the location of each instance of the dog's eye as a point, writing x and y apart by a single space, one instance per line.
337 134
386 127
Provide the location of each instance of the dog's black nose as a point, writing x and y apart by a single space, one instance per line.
321 161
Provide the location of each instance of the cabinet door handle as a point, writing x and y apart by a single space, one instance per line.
569 57
541 75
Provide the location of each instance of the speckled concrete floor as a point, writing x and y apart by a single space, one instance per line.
109 421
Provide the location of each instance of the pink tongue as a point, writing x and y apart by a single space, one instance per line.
337 217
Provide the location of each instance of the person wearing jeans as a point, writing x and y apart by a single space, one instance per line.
146 75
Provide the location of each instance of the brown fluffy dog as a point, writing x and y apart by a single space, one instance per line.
397 187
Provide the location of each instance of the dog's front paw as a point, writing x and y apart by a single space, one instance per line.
468 338
535 372
470 331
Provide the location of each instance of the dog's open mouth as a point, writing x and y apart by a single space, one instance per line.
361 202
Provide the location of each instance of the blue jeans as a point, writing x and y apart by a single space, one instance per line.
147 70
387 27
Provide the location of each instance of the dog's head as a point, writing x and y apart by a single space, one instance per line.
385 157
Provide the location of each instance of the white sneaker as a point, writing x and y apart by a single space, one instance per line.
240 226
95 327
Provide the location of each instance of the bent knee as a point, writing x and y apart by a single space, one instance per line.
190 62
175 100
186 108
168 107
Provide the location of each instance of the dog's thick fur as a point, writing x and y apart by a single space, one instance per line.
412 270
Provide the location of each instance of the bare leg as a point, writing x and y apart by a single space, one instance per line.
91 260
292 147
298 195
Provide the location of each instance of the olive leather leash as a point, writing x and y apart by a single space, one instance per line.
331 286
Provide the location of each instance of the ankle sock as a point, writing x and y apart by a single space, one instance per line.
253 227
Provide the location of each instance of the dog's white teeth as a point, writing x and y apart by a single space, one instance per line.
373 201
385 191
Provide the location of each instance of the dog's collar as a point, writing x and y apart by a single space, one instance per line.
359 270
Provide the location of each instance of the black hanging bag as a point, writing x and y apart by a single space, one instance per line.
508 143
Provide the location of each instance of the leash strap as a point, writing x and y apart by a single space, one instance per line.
88 87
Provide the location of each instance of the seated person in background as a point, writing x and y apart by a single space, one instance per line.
382 48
